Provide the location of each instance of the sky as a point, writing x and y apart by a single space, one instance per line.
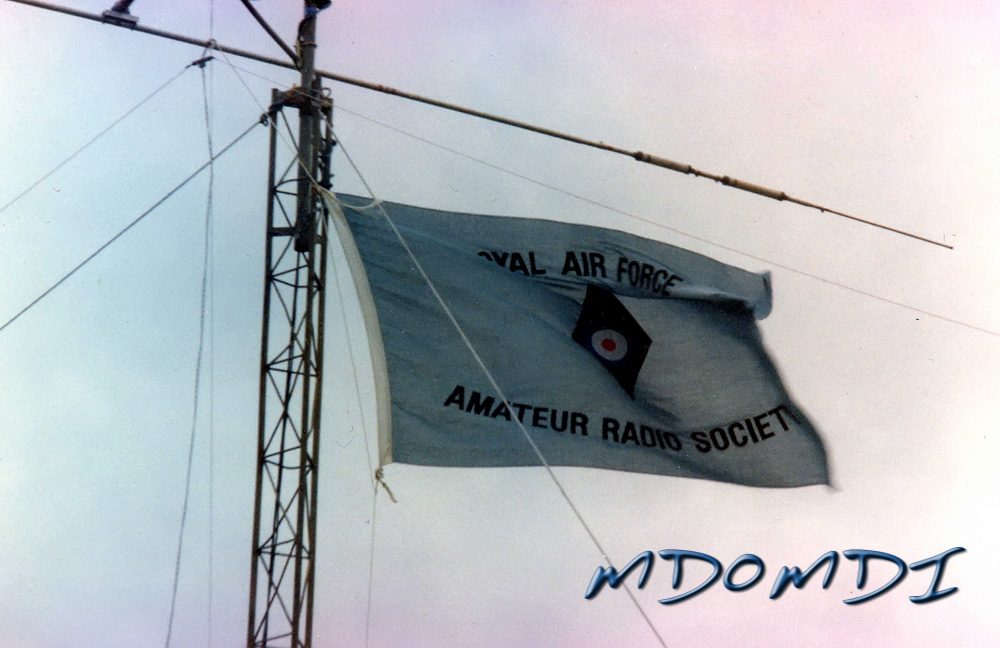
883 110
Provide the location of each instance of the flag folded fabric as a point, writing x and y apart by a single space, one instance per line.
611 350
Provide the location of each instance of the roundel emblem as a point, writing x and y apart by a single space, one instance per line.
609 345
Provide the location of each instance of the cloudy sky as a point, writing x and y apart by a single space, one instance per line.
885 110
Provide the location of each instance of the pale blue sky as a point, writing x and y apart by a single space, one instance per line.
886 111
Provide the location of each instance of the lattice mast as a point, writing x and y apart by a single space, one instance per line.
282 570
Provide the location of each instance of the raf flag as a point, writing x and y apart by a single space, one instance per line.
611 350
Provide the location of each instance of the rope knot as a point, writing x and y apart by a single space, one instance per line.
380 479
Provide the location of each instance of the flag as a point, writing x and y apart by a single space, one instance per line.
612 351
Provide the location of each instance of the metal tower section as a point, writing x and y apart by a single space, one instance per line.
282 567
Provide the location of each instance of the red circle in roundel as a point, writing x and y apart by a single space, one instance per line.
609 344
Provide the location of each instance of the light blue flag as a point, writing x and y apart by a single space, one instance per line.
613 351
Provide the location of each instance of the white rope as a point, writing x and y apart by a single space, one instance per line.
376 473
208 99
377 204
376 478
289 143
274 82
203 326
225 57
489 376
